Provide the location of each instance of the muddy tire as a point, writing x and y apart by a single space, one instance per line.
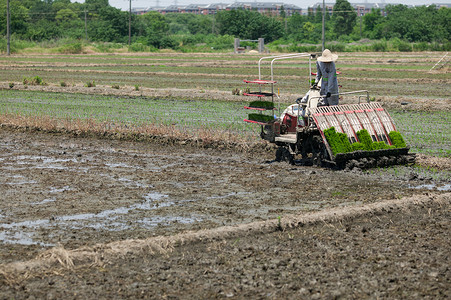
284 155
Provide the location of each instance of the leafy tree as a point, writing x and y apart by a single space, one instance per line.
343 17
295 23
372 19
155 28
248 24
19 17
65 15
109 24
443 28
200 24
43 30
96 5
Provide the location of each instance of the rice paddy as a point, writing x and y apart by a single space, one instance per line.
382 74
425 132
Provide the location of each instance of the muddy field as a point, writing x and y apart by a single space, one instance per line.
65 195
94 217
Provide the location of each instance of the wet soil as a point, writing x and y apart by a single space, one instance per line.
70 193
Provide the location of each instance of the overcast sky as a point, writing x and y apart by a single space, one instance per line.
124 4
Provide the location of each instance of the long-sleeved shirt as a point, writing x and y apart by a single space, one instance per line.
329 84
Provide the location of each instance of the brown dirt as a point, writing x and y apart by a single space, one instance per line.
101 218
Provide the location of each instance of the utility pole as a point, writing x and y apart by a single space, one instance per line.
130 24
8 31
86 25
361 25
324 24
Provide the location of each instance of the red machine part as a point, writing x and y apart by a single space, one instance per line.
354 117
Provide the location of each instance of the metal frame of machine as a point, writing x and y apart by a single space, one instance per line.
307 138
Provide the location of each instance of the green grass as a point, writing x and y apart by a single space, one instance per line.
383 74
187 116
426 132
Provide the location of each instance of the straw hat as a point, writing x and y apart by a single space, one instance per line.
327 56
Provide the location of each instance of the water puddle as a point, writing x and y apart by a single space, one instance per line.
45 201
21 182
43 161
54 190
23 232
121 165
132 183
228 195
432 186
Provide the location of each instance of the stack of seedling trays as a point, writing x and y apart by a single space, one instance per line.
260 114
261 107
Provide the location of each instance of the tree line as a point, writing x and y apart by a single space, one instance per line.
97 21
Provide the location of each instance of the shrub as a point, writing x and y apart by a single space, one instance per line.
73 48
380 46
397 139
138 47
422 46
33 81
63 84
401 45
11 85
115 86
90 84
340 47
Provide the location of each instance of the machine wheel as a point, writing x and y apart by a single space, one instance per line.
319 152
283 154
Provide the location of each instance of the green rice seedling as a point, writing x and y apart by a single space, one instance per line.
345 142
365 139
335 140
380 145
136 87
397 139
260 118
357 146
262 104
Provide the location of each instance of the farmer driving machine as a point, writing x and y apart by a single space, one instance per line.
359 135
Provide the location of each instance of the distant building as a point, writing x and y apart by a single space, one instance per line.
272 8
